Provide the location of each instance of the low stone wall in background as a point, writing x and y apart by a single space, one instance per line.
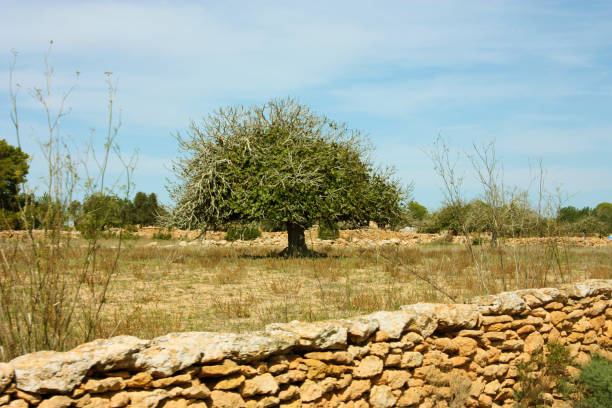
424 355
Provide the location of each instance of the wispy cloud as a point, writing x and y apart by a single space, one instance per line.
533 75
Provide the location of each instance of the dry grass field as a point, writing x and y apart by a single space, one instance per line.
208 284
165 286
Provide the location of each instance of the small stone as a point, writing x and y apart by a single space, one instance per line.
492 388
316 369
224 399
140 380
291 376
196 391
368 367
145 399
411 397
557 317
120 400
459 361
290 393
220 370
310 391
170 381
533 342
57 401
268 402
411 359
395 378
19 403
393 360
176 403
381 396
6 376
230 383
262 384
466 346
355 390
525 330
379 349
104 385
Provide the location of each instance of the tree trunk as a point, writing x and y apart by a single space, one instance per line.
296 241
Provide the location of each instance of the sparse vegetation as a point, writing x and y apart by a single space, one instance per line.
546 374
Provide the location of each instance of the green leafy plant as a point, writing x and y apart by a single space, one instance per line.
544 373
283 163
242 232
596 381
164 236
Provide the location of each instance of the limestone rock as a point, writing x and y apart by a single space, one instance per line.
314 336
381 396
19 403
173 352
6 376
147 399
196 391
119 400
395 378
360 328
220 370
262 384
116 353
50 371
503 303
230 383
392 323
466 346
355 390
457 316
104 385
57 401
411 397
533 342
368 367
310 391
223 399
140 380
411 359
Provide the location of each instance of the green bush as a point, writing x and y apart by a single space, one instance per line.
596 380
165 236
328 230
543 374
242 232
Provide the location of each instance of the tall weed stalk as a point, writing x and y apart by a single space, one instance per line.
53 285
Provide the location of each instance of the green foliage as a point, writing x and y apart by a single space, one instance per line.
144 209
99 212
544 374
596 379
164 236
242 232
586 221
328 230
281 163
13 170
417 211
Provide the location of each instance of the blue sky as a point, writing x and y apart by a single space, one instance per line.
533 76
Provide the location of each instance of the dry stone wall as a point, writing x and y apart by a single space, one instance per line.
424 355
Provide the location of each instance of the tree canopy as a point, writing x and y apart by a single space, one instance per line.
13 170
279 162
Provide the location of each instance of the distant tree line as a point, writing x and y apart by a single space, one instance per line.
517 219
21 210
103 211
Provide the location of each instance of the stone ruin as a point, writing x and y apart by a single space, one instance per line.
424 355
